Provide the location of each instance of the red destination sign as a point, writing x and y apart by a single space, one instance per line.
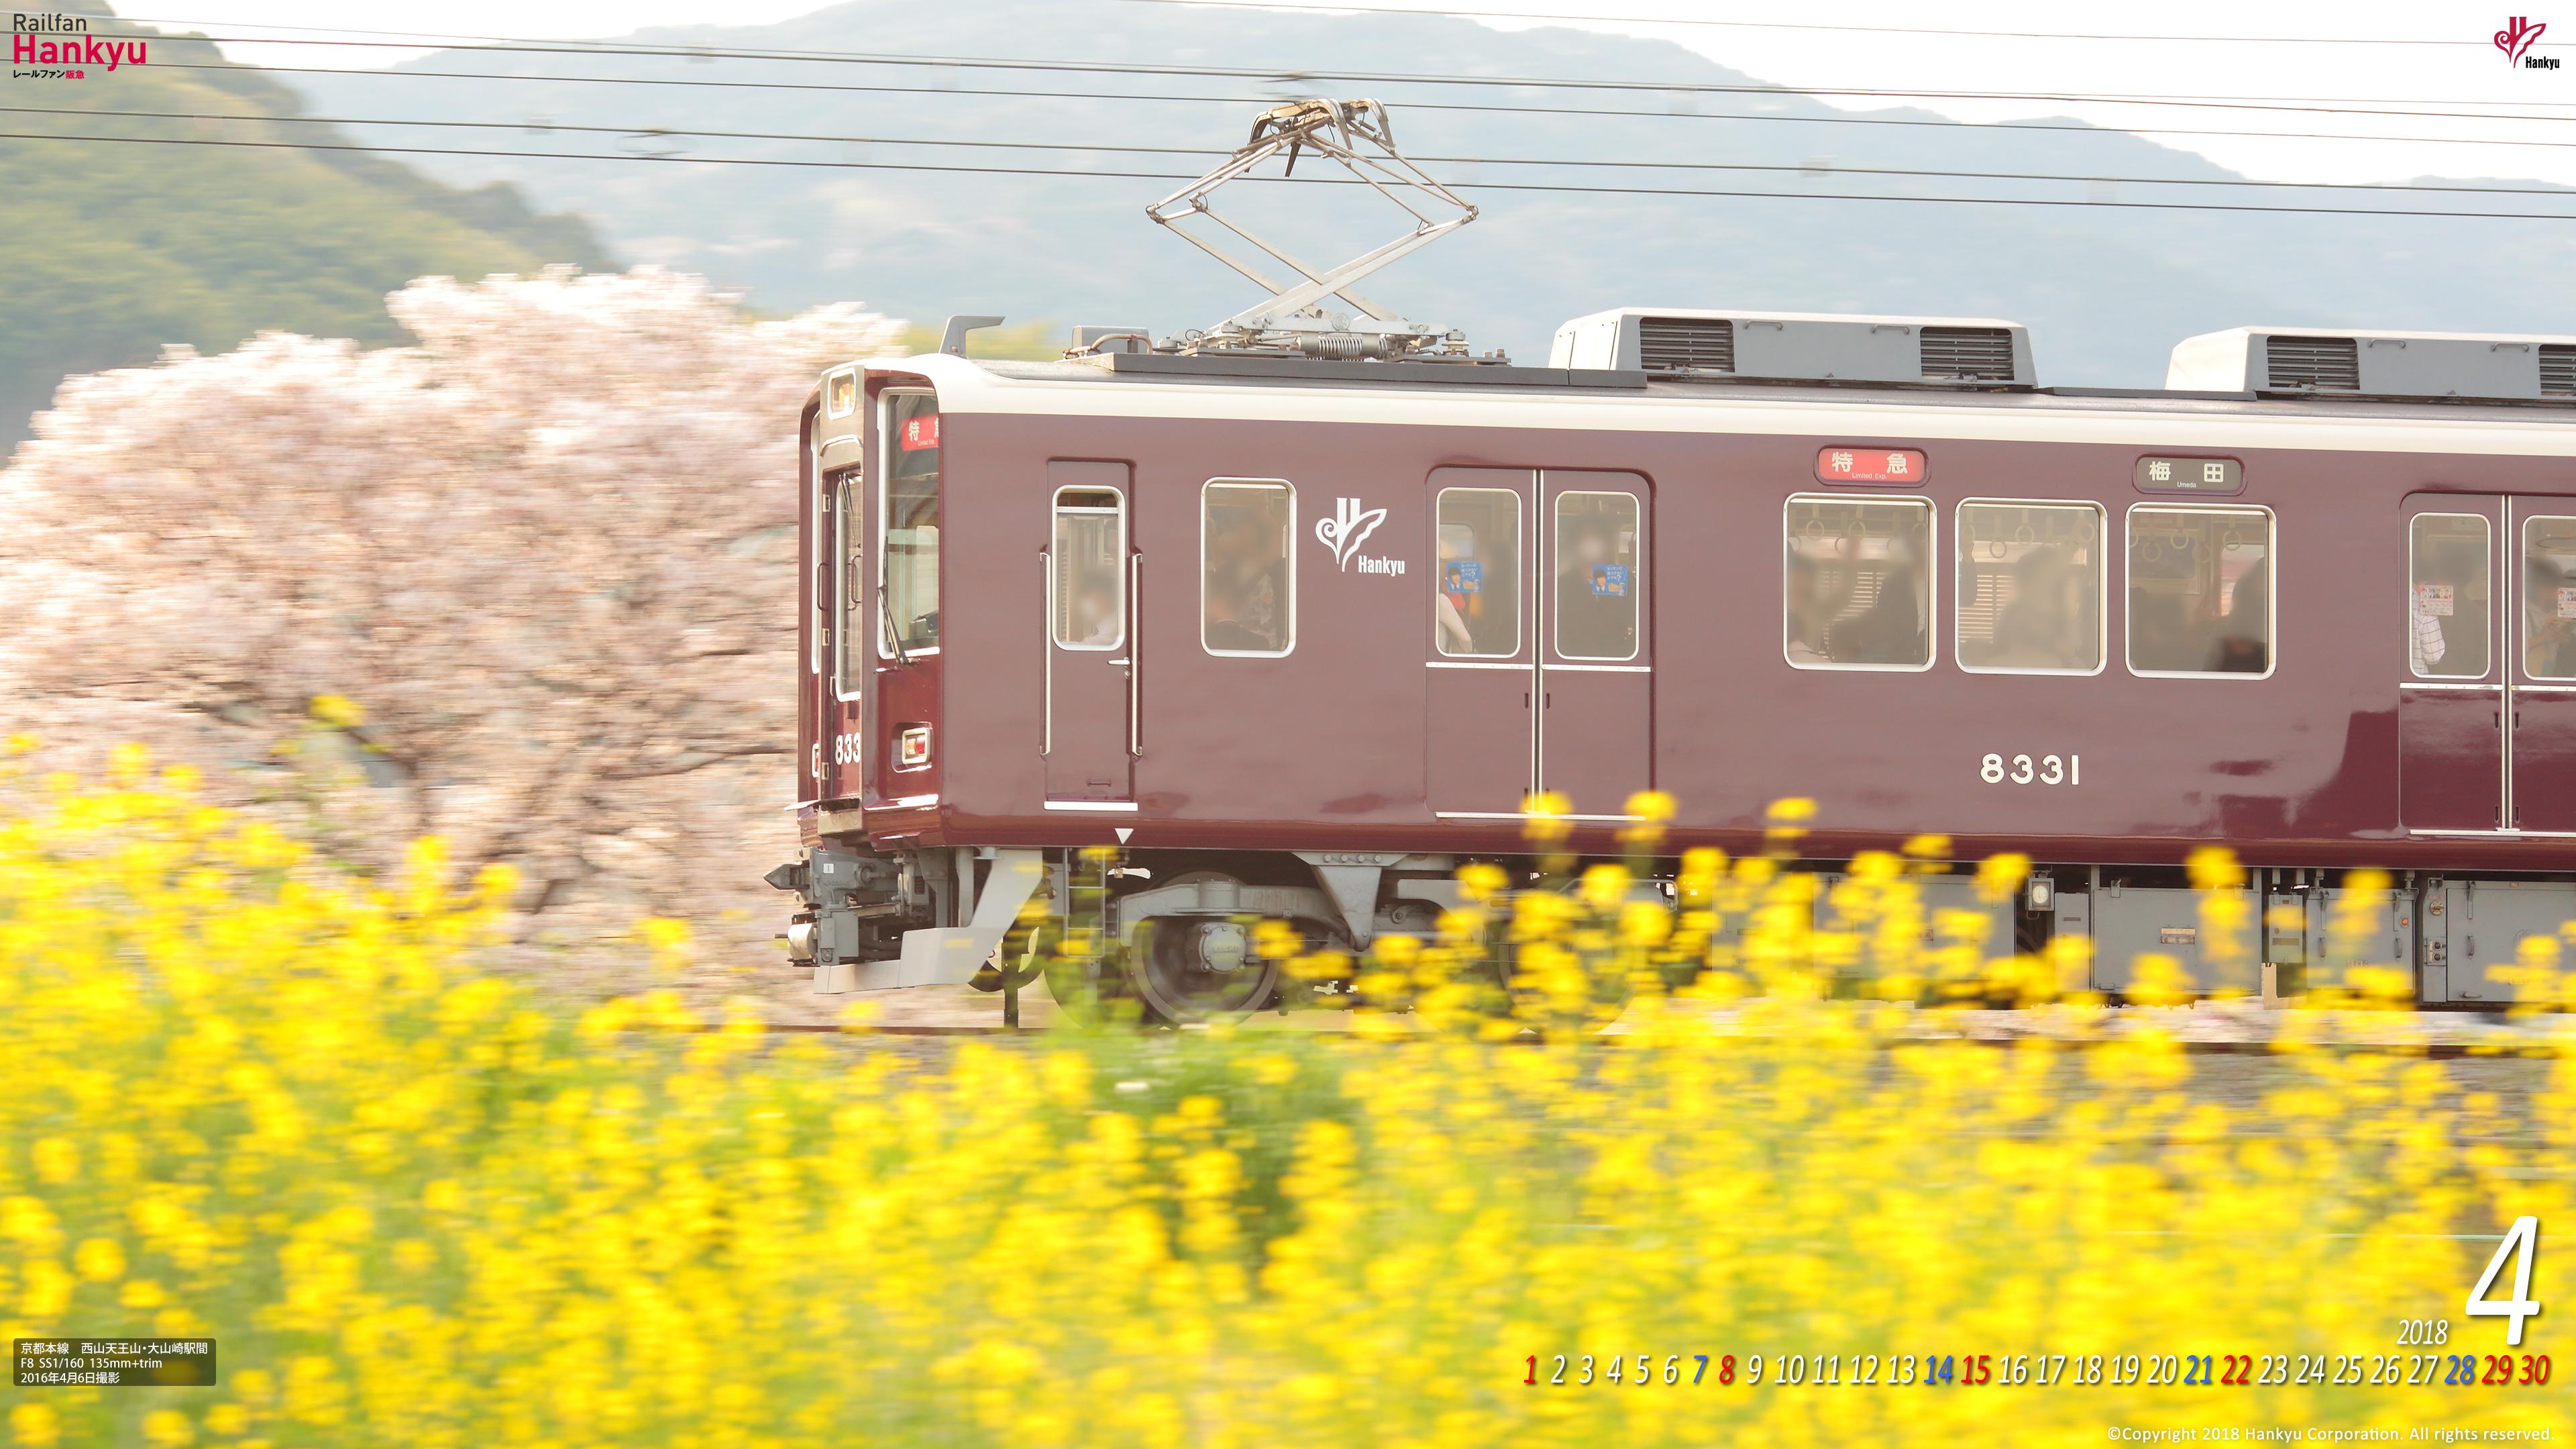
1870 465
920 433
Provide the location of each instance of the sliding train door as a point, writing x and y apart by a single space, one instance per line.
2487 702
1090 729
2451 691
2541 756
1483 660
1540 663
1596 691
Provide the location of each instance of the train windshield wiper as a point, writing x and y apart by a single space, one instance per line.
893 634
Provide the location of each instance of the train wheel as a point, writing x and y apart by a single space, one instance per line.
1084 987
1192 970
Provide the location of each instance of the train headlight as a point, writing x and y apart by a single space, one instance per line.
912 747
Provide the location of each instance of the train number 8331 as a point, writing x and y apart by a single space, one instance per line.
2032 770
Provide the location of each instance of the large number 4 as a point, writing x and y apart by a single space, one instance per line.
2522 1244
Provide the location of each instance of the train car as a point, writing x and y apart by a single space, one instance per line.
1301 635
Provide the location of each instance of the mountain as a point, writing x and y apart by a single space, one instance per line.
2106 291
116 249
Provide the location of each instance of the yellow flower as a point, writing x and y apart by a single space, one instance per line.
338 711
100 1260
57 1160
35 1424
1653 806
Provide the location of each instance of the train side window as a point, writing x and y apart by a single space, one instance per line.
1476 610
1857 582
1600 575
2029 588
2549 598
1087 568
1247 567
908 525
2448 561
2200 591
850 584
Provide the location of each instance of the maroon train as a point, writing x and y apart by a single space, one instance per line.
1302 635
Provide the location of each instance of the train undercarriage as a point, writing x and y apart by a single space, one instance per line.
1179 933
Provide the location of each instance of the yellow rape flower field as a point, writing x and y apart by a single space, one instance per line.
418 1203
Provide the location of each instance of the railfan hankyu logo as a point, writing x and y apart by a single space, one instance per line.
2515 40
60 47
1348 528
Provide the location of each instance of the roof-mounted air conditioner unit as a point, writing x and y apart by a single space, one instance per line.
1800 347
2326 362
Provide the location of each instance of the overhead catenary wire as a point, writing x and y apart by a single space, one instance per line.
1375 78
645 132
1512 186
1279 5
1408 103
1596 19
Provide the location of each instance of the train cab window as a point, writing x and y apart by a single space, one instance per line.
2200 591
1475 611
2030 588
2549 598
1857 583
1087 568
2448 561
1600 575
850 582
1247 567
908 525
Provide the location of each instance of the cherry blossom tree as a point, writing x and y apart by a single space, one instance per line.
529 585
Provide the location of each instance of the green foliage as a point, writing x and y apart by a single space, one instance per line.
119 248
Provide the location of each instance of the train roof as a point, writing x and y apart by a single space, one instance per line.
1152 385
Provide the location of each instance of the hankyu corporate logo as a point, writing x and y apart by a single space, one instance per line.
60 47
2515 41
1347 529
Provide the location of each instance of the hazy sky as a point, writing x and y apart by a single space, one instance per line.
2353 56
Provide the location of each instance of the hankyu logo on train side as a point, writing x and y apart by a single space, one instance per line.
60 47
1349 527
2515 40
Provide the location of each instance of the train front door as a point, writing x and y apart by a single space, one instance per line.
1089 734
1541 640
2487 696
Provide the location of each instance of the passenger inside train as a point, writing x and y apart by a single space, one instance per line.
2549 619
1596 612
2450 600
1244 582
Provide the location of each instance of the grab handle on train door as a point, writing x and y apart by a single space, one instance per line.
1046 657
1135 653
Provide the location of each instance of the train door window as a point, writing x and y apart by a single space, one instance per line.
1857 582
849 582
2549 598
1475 611
2029 588
1087 568
1247 567
1600 575
908 525
2449 612
2200 591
